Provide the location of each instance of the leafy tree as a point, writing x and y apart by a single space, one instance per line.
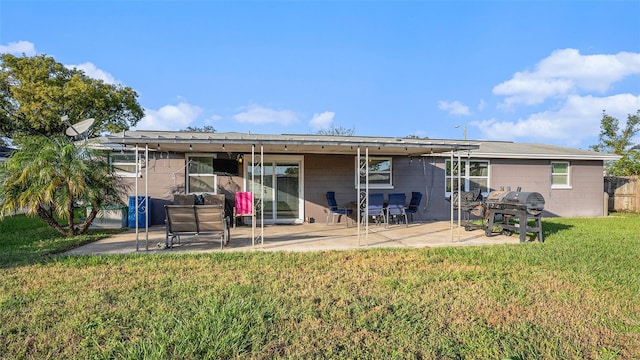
206 128
48 176
337 130
620 143
35 92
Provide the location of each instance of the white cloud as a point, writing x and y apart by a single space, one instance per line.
18 48
525 89
482 105
578 119
92 71
256 114
454 107
213 118
322 121
28 48
566 72
169 117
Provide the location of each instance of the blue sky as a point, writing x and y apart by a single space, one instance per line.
507 70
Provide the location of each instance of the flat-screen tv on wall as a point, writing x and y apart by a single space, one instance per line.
226 166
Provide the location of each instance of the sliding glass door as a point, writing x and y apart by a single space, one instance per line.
281 196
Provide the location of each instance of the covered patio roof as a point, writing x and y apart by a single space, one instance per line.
182 141
186 142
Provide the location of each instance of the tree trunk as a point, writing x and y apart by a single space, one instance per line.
92 215
71 229
46 217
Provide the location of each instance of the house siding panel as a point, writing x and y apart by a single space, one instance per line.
584 198
337 173
166 178
424 174
327 173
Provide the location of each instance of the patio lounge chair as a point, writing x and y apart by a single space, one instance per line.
396 208
376 208
335 209
414 204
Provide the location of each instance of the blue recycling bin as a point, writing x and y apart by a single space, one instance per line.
143 204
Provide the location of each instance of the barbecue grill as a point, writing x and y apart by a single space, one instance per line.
470 203
515 204
531 202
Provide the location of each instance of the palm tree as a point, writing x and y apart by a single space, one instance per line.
47 177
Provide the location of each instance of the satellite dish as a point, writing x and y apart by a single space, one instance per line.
80 128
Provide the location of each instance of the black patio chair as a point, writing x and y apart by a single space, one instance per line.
396 207
335 209
414 204
375 208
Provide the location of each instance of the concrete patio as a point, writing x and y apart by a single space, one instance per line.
306 237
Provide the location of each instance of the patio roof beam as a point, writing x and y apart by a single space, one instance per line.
258 202
180 142
146 196
363 194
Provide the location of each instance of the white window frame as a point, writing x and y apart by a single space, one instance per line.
188 174
126 174
466 178
376 186
566 185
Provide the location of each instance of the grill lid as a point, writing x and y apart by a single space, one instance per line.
526 198
531 201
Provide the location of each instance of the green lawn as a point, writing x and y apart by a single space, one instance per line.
576 296
25 240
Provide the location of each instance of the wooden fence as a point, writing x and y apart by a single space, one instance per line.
624 193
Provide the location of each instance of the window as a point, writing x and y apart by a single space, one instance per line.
380 173
200 176
560 175
474 175
124 164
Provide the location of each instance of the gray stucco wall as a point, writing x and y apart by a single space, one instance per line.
583 199
166 178
337 173
426 174
324 173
